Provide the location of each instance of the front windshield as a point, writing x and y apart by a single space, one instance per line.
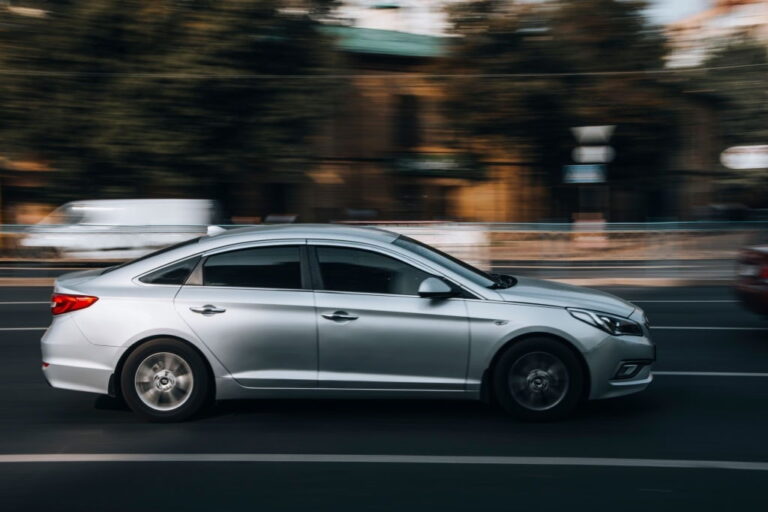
69 213
462 268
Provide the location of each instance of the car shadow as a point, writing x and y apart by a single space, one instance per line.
362 410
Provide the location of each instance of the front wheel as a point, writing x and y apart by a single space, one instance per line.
165 380
538 379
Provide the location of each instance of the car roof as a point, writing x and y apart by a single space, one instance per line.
279 231
253 234
129 202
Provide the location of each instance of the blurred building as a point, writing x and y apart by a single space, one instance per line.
692 39
689 186
390 153
425 17
22 181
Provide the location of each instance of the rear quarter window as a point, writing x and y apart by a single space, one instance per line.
174 274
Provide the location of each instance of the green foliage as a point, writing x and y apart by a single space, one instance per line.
136 97
744 114
558 45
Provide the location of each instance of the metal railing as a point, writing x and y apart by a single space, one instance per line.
664 249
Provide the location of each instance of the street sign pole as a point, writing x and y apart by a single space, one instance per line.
591 157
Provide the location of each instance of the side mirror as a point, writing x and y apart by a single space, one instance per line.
435 288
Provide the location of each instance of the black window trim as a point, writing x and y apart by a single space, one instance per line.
196 276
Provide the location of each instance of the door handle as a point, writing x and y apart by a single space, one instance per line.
208 309
339 315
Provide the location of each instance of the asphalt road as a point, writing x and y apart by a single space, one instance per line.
709 402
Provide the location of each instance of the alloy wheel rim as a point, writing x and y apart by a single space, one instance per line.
164 381
538 381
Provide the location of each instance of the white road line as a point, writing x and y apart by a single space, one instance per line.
23 458
702 328
710 374
23 328
601 267
24 302
682 301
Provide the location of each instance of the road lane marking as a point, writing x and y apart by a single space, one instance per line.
23 328
682 301
24 303
600 267
710 374
702 328
23 458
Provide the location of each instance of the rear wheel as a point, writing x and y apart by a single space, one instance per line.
538 379
165 380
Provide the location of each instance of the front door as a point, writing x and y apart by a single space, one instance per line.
375 332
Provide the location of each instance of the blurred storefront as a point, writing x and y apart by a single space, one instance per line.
390 152
21 183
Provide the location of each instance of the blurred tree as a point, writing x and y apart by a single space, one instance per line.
166 96
575 54
744 116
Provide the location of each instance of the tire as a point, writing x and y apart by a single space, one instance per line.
538 379
165 380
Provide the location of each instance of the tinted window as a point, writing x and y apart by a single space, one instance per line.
263 267
172 274
354 270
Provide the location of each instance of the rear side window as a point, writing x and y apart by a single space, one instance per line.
262 267
356 270
176 273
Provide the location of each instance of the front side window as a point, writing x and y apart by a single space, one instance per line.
261 267
357 270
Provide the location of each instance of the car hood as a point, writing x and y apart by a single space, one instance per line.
549 293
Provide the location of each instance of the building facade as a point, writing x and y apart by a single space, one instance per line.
693 39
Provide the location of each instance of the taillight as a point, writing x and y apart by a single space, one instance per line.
64 302
764 272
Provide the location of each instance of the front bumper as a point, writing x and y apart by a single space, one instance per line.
72 361
615 351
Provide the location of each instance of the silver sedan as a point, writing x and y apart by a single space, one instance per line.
336 311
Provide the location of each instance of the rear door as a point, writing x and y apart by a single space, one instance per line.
253 308
375 332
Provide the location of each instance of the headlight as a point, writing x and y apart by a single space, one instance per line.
609 323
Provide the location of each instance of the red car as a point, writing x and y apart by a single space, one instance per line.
752 284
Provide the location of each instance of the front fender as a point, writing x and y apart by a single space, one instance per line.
494 324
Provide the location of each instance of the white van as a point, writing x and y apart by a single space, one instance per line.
119 228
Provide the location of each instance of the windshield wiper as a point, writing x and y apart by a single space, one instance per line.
501 281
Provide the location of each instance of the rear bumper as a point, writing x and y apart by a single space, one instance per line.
74 363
